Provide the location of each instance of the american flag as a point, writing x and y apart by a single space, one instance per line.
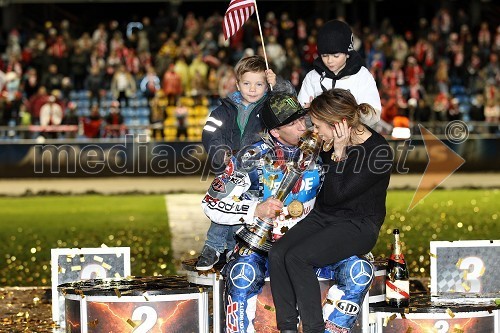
238 12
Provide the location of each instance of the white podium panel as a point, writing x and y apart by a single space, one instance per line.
69 265
465 270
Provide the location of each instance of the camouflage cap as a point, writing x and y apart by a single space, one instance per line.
281 109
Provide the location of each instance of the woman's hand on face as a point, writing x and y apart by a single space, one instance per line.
341 137
268 209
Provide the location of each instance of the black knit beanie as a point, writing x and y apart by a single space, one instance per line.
335 37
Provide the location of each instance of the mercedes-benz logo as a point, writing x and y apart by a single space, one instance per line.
361 273
242 275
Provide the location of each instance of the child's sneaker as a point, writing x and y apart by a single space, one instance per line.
208 258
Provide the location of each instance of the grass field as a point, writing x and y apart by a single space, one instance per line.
31 226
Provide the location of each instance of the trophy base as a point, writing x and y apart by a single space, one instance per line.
253 241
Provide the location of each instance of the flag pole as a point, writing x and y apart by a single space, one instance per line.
261 36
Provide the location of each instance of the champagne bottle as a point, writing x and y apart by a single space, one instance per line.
397 282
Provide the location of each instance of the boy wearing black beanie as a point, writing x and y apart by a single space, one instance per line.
340 66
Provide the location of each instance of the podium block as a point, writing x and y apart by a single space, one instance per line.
149 304
424 315
465 271
69 265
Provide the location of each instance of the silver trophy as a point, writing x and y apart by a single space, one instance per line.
258 236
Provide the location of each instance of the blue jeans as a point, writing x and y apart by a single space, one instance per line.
221 237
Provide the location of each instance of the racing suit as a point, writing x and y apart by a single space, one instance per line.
252 177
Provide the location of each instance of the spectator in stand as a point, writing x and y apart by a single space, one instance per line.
52 79
30 82
413 72
310 52
11 98
85 43
440 106
96 60
181 113
51 114
227 82
93 123
454 110
495 47
422 112
172 85
100 34
116 45
150 83
151 34
158 113
208 45
14 65
58 54
24 120
212 83
2 78
35 103
13 49
182 68
492 104
123 85
132 62
198 73
198 85
66 88
71 119
276 54
142 42
114 59
473 67
166 55
114 122
491 72
442 77
340 66
94 85
78 63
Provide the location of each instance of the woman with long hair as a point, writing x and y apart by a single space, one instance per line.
345 222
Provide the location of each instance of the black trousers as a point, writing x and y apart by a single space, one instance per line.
317 241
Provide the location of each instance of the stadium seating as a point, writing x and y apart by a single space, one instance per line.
137 114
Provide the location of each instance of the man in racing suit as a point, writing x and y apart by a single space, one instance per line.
246 191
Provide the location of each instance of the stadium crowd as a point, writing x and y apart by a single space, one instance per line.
166 73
